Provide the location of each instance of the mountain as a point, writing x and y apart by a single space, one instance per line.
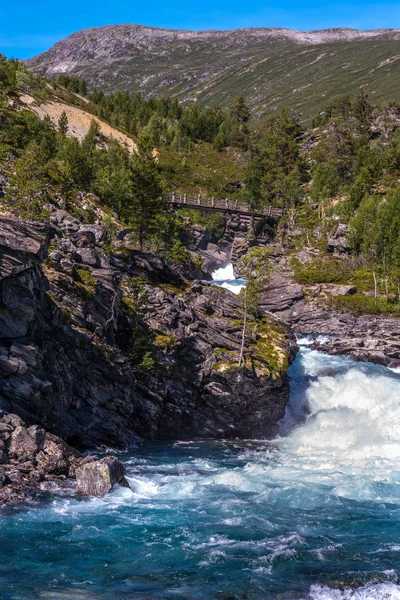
272 67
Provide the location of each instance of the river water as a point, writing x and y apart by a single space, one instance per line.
225 278
313 514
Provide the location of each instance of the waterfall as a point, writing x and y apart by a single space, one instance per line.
225 277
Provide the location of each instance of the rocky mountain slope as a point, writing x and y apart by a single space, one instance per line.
79 119
273 67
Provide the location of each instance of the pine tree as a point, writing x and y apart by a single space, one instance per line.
26 190
240 115
147 191
63 124
254 176
89 142
240 112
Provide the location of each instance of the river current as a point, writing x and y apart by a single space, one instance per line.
313 514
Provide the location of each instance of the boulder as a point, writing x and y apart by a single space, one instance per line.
29 456
99 477
25 443
52 459
84 238
87 256
96 229
24 236
338 242
346 290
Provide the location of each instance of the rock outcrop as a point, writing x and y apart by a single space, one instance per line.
373 338
70 325
29 458
338 242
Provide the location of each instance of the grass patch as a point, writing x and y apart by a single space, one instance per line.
360 304
204 170
165 341
85 284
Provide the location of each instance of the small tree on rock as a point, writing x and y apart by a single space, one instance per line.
255 266
147 191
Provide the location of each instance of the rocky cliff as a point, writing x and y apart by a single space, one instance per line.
308 310
108 347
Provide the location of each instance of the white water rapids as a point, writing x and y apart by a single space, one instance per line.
312 515
225 277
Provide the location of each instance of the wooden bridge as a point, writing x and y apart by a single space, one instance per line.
242 209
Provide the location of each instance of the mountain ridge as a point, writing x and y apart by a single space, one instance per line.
273 66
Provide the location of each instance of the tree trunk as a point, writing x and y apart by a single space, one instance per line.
241 357
375 284
291 217
141 238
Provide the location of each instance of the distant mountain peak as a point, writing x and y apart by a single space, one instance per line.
273 66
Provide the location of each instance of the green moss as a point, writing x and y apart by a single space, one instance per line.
178 289
269 350
229 361
86 278
85 284
66 315
226 367
128 305
85 292
218 351
165 341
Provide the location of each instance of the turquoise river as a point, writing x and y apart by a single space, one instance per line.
313 514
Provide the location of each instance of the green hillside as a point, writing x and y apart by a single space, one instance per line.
272 68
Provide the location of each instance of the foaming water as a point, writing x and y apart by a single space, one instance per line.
312 515
225 278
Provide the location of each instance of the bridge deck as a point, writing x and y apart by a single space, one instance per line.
224 205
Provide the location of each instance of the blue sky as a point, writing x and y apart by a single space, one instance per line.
28 27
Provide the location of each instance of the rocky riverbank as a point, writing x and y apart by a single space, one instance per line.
112 346
31 460
307 309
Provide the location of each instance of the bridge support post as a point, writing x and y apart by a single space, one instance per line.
184 198
198 200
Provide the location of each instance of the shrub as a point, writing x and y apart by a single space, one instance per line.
178 255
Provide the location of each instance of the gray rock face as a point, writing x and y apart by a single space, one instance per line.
339 243
65 338
30 457
215 257
99 477
346 290
373 338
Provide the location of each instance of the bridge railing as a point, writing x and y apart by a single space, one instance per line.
223 204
